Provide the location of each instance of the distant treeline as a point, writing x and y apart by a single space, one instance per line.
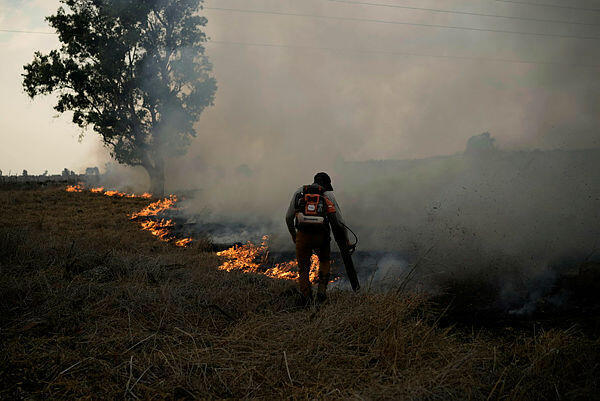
67 177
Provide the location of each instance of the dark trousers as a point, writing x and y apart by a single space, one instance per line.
306 242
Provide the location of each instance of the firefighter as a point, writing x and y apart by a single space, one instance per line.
313 209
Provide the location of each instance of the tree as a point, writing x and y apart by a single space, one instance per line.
134 71
481 144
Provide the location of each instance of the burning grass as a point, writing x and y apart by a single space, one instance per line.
80 187
149 216
161 228
155 208
93 307
75 188
251 258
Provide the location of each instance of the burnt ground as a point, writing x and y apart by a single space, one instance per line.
92 307
570 302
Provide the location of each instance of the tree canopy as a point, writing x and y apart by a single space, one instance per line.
135 72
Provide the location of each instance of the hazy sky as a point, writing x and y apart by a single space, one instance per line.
274 103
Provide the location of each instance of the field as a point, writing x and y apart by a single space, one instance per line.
92 307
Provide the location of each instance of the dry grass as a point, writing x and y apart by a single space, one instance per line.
91 307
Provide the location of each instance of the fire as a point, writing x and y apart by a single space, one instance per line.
148 216
183 242
250 258
119 194
75 188
160 229
155 208
100 190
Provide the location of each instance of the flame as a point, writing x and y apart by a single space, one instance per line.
116 193
249 258
161 229
155 208
100 190
183 242
75 188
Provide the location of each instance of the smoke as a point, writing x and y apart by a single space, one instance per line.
285 113
339 95
122 178
504 215
307 106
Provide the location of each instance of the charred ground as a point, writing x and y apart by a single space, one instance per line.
91 306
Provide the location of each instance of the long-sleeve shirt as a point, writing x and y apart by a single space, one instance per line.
291 212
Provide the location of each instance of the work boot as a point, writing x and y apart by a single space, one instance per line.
323 281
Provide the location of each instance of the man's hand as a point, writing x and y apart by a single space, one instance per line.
293 237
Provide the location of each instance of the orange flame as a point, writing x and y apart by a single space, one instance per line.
183 242
75 188
247 258
114 193
100 190
161 229
156 207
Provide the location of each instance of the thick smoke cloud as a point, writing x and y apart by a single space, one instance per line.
283 114
275 104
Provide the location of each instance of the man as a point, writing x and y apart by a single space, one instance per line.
312 210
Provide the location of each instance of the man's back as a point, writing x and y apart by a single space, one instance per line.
312 210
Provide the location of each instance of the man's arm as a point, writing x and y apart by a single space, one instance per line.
338 221
289 217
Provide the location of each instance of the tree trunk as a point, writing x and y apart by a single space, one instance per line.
157 178
157 184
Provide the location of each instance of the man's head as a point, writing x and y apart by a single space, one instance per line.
323 180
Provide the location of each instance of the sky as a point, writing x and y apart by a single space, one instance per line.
342 88
31 136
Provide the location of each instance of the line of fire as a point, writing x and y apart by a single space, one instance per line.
158 219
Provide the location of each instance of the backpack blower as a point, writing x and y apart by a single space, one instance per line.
313 211
346 250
